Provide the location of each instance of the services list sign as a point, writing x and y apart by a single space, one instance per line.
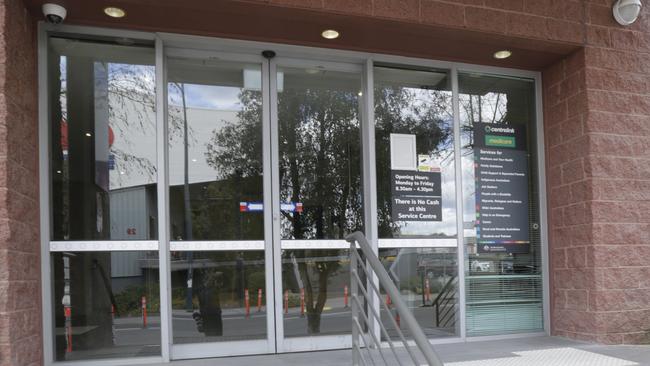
501 182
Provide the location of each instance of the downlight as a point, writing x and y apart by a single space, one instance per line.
500 55
114 12
330 34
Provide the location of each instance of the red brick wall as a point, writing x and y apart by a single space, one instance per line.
20 300
597 123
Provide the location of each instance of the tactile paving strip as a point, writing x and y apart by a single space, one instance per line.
550 357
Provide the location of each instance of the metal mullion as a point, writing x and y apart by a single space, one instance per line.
269 229
44 195
370 175
162 155
460 235
542 203
274 207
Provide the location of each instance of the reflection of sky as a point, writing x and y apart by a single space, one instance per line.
223 98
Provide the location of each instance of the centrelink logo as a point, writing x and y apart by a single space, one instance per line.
489 129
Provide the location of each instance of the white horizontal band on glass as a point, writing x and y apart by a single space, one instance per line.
103 245
418 243
315 244
216 245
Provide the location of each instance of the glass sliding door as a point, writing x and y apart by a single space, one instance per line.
219 269
319 183
416 193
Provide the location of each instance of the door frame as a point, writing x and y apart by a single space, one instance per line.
203 44
306 343
225 348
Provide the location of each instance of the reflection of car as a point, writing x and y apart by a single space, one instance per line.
507 267
437 264
480 266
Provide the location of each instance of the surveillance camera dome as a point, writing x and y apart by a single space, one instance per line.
54 13
626 11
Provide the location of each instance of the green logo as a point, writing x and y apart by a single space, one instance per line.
499 141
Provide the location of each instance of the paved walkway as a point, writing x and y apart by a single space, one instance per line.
532 351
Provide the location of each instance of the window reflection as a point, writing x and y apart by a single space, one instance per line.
106 304
504 289
316 292
226 300
320 193
215 150
414 103
103 141
427 279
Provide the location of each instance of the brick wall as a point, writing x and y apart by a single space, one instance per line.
598 143
20 300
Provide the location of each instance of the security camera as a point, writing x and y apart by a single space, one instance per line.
54 13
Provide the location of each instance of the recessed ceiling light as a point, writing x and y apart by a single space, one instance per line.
499 55
88 134
330 34
194 160
114 12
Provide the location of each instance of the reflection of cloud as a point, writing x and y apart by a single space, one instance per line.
208 96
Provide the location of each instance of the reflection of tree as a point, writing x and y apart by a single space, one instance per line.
132 106
491 107
426 114
318 166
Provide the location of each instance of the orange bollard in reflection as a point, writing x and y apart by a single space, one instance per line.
286 302
345 296
302 302
427 291
259 300
67 311
113 323
247 303
388 302
144 312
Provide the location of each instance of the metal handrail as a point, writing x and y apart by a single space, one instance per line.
374 267
448 288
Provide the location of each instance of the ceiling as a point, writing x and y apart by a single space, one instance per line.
269 23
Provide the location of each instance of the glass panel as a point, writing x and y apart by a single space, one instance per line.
500 195
414 154
103 136
215 150
320 191
315 285
416 191
427 280
227 300
216 194
106 305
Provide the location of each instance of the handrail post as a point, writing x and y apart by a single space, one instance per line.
354 305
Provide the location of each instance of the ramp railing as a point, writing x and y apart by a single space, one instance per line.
367 346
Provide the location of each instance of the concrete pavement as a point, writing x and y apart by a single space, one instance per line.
529 351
